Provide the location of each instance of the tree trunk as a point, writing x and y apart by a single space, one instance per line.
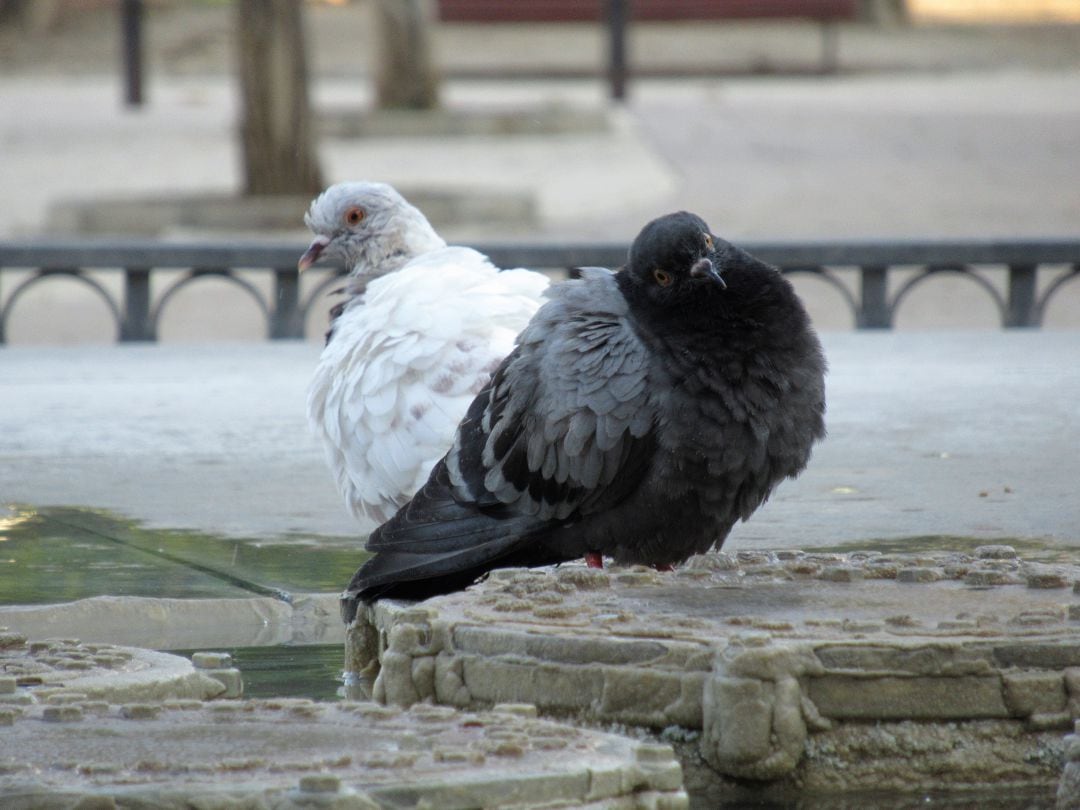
276 129
404 72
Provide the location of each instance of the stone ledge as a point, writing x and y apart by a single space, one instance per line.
766 655
65 671
887 697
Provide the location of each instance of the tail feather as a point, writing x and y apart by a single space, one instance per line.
436 544
404 575
434 522
450 531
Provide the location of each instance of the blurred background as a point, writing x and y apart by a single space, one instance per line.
777 121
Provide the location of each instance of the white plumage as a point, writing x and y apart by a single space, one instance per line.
423 329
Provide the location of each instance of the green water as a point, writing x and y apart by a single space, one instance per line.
58 554
287 671
1037 550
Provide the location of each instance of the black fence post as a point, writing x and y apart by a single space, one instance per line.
131 16
874 306
618 12
1022 306
136 324
285 321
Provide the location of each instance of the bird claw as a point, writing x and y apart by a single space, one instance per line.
594 560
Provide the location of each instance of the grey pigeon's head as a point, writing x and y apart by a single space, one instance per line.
674 260
368 228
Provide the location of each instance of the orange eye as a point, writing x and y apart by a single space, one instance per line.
354 216
708 242
662 277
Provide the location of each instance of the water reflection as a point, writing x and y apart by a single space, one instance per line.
59 554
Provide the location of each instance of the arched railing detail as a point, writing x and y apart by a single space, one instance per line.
1052 288
286 311
63 272
830 278
952 269
209 272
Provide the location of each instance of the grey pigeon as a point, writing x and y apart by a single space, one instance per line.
641 414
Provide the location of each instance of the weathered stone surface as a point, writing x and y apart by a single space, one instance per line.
986 577
297 753
218 665
840 573
768 661
753 729
549 686
998 552
916 659
1071 677
848 697
740 720
1068 792
1047 579
1039 655
652 698
975 753
562 649
1028 693
919 574
759 652
64 670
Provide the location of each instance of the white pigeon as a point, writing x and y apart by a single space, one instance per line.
423 327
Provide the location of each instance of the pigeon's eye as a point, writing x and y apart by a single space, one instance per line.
708 242
662 277
354 216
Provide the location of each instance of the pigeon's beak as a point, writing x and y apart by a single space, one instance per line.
312 254
704 268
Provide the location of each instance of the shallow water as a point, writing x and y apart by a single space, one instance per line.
288 671
59 554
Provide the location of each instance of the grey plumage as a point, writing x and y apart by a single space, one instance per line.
640 415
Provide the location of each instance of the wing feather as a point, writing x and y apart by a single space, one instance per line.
565 411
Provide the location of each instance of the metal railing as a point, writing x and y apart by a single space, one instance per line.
873 306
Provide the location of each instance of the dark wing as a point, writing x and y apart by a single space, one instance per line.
562 431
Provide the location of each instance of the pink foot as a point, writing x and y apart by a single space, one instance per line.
664 567
594 560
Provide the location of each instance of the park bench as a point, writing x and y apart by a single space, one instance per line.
617 13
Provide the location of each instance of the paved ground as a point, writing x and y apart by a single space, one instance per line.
926 132
962 434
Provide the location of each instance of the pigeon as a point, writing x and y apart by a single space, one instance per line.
641 414
422 328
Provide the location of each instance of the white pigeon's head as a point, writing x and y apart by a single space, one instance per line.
368 228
